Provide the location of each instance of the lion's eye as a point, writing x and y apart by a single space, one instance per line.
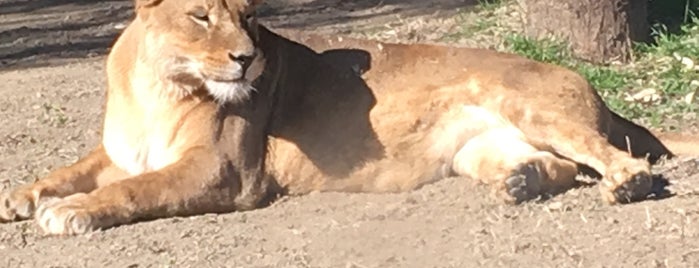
199 15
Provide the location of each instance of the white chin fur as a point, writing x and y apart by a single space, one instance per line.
228 91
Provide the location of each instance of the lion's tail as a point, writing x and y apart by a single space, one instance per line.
680 143
626 135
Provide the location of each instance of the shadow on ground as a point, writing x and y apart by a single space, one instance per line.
322 13
44 32
27 6
36 33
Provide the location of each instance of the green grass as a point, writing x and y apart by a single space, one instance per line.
663 68
489 4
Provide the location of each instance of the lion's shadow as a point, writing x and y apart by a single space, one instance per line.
334 130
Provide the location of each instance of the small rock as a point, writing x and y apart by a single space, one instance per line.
555 206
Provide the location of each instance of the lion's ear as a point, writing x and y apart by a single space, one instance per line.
145 3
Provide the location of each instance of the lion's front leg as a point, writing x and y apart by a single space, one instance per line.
196 184
81 177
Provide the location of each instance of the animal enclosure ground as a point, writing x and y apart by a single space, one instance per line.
52 86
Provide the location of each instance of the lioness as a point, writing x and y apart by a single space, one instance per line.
207 112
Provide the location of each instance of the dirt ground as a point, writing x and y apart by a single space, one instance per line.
52 81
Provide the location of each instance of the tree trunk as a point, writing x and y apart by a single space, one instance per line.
597 30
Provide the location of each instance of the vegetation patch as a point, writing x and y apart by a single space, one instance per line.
659 87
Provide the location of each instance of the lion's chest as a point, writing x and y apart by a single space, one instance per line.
140 146
138 154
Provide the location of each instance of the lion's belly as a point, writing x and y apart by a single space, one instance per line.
413 114
407 130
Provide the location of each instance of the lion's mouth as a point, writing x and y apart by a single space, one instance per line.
232 81
229 90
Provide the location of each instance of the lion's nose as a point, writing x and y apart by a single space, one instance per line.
243 59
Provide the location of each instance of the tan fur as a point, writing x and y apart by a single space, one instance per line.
208 113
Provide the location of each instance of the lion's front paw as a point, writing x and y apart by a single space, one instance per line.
16 204
627 181
66 216
524 183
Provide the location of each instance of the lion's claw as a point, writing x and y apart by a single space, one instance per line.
67 216
16 205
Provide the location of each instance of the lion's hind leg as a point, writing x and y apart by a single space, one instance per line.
501 157
625 178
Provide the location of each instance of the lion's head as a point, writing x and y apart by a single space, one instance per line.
203 44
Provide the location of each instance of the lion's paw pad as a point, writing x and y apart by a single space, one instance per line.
524 183
635 189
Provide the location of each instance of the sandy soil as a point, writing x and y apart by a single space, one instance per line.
52 81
